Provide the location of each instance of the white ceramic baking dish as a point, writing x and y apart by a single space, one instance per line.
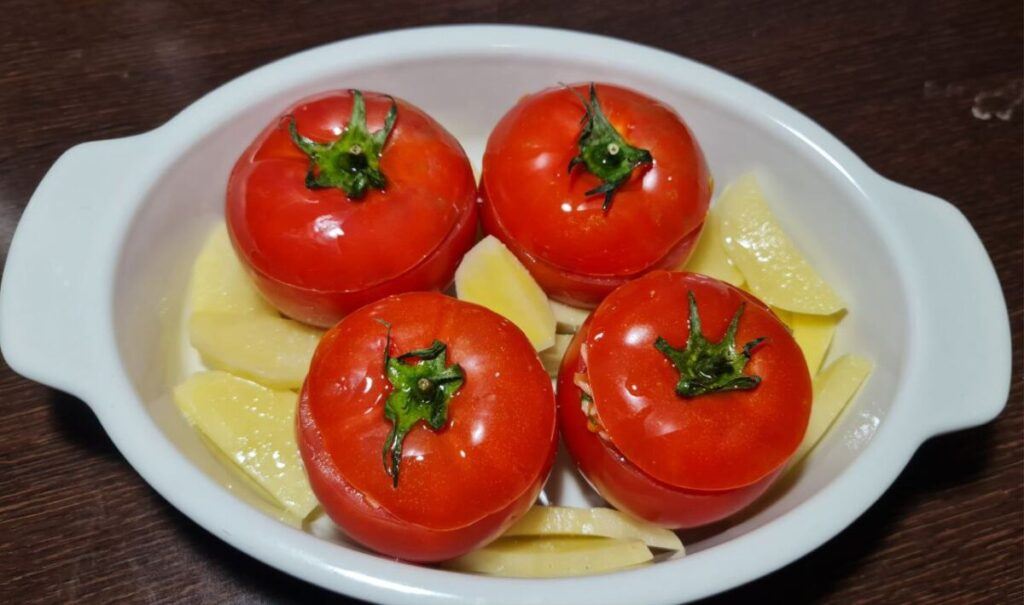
99 263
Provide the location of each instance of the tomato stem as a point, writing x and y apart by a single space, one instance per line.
420 392
604 152
709 367
352 162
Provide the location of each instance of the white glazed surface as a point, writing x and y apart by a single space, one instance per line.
97 271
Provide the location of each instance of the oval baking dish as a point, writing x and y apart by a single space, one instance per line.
98 268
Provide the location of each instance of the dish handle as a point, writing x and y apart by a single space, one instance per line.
49 330
962 372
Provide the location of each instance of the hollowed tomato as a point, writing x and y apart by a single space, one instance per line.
591 188
682 429
347 198
427 425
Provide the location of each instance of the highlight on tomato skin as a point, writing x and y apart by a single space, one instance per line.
592 186
347 197
674 460
427 426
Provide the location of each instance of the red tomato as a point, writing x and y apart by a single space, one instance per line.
584 220
340 211
466 473
683 460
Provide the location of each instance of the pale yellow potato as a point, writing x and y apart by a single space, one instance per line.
709 257
551 357
254 427
834 387
568 319
267 502
493 277
220 283
552 557
775 271
600 522
786 317
814 335
270 350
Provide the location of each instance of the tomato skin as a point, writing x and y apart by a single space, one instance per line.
539 209
681 462
316 254
325 308
460 486
628 488
716 441
385 533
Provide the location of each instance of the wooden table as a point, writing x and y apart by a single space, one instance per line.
928 93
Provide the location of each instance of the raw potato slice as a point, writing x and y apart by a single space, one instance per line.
493 277
568 319
268 503
271 350
551 357
784 316
814 335
775 271
552 557
254 427
220 283
710 258
602 522
834 387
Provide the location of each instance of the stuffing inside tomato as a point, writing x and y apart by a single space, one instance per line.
426 425
682 398
349 197
591 186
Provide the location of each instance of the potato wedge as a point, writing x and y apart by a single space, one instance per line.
270 350
552 557
568 319
493 277
834 387
600 522
551 357
775 271
814 335
220 283
709 257
254 427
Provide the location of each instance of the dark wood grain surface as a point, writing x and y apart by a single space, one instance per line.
928 93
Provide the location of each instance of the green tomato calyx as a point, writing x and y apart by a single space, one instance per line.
604 152
710 367
352 162
420 392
